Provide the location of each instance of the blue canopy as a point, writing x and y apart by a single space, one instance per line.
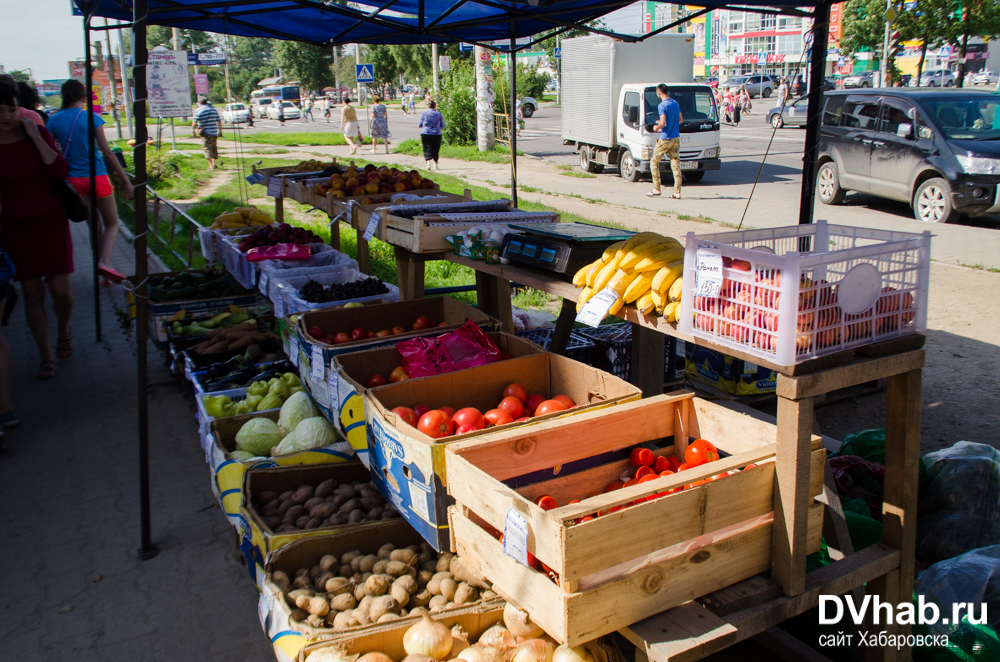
382 21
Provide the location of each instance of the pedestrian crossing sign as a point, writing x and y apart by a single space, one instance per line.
365 73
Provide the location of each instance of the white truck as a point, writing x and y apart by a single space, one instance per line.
609 104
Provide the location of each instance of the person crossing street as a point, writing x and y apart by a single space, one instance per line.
669 142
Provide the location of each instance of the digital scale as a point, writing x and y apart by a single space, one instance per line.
559 247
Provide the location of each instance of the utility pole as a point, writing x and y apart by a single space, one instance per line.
111 77
176 34
558 74
336 68
126 88
434 67
357 60
485 134
229 91
890 16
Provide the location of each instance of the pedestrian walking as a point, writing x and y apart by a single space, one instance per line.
309 109
326 109
736 108
250 119
727 106
34 229
413 102
22 111
379 124
349 125
669 142
431 123
281 112
519 117
744 97
208 125
782 92
69 127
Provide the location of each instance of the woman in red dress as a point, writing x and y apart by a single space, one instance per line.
34 228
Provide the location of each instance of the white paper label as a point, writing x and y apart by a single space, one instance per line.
372 226
264 609
187 370
333 381
316 364
262 283
708 280
596 309
274 187
515 537
293 350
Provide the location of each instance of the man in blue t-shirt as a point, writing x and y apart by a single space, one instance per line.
669 142
208 124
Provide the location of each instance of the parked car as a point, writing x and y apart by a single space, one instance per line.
938 151
235 113
860 79
935 78
793 113
759 86
712 81
796 85
259 107
528 106
984 77
289 109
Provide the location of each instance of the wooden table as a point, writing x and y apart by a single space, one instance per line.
752 608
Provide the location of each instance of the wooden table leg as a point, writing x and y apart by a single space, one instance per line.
335 234
504 307
279 210
647 360
560 336
362 252
410 273
485 294
791 494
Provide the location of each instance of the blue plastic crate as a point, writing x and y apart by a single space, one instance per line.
578 348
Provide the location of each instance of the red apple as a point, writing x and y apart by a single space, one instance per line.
341 338
396 330
359 334
383 333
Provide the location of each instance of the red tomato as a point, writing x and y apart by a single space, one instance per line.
420 410
511 405
423 322
661 464
436 424
750 466
648 477
545 502
585 518
699 452
716 477
641 457
674 462
523 418
406 414
532 401
614 485
565 399
548 407
376 380
630 483
668 472
694 484
465 428
682 467
498 417
515 390
469 416
643 471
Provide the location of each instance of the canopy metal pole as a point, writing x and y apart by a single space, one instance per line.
92 198
139 57
817 75
512 124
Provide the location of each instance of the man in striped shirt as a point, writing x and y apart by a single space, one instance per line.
208 124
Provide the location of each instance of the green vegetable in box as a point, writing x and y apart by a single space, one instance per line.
258 389
297 408
270 401
218 406
258 436
314 432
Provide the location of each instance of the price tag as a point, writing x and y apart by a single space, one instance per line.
597 308
515 537
256 178
262 283
293 350
372 226
334 383
708 280
274 187
317 366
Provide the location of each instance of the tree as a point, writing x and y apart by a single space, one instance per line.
386 68
250 61
864 27
457 102
311 66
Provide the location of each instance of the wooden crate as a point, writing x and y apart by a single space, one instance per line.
426 235
608 578
357 214
302 191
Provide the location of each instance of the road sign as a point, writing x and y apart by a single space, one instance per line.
465 47
889 15
365 73
762 58
206 59
558 51
807 38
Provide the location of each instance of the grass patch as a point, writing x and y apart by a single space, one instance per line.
500 153
981 267
173 176
570 171
527 189
275 150
296 139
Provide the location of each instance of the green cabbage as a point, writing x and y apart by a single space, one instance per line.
242 456
314 432
258 436
297 407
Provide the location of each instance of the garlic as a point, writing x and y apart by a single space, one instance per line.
533 650
428 637
519 623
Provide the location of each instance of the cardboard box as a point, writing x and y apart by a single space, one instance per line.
644 549
731 375
227 474
408 466
354 370
259 542
290 636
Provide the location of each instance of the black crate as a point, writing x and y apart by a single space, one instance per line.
578 348
613 349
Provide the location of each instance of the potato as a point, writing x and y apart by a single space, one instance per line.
368 503
399 594
320 582
301 522
292 596
377 585
437 601
337 586
330 618
353 504
294 513
421 598
303 494
465 594
345 620
347 557
423 577
379 568
284 506
266 496
434 585
355 517
448 588
406 556
318 606
385 550
444 562
345 490
408 583
427 556
312 502
375 513
281 580
328 562
345 571
343 602
322 510
286 528
429 566
381 605
315 621
450 605
366 604
272 522
325 488
301 571
362 618
463 573
299 615
359 591
366 563
387 616
489 595
315 571
287 494
313 523
363 577
302 602
395 568
302 581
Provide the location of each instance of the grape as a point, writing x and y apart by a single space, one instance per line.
314 292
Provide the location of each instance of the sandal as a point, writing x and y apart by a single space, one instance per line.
675 196
653 194
47 370
64 348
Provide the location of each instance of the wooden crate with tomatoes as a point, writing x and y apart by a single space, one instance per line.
589 548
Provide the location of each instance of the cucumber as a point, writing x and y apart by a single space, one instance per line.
157 294
182 293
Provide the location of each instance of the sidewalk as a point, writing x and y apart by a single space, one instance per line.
75 590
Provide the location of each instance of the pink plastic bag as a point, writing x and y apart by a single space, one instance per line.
465 347
279 252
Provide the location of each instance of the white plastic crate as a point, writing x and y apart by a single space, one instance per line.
285 291
848 287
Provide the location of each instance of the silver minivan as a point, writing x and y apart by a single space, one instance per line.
935 78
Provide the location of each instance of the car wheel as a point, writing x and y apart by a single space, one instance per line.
766 93
828 184
694 177
864 84
948 84
626 167
527 110
776 121
586 164
932 202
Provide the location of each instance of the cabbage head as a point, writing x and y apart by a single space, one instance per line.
258 436
242 456
297 407
314 432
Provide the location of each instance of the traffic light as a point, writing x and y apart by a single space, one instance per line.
894 46
99 56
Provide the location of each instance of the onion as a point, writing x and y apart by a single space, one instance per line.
328 655
480 653
459 640
519 623
374 657
498 637
426 637
566 653
418 658
533 650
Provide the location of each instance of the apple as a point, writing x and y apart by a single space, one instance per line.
376 380
383 333
371 335
422 322
359 334
341 338
315 331
396 330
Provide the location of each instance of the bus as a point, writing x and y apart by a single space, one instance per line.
290 93
282 92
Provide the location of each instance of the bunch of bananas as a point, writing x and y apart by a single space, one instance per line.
644 270
308 166
241 217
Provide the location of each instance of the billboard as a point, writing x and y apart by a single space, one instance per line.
167 84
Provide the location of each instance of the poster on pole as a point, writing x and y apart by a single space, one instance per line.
169 90
201 83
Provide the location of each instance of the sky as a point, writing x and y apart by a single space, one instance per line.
43 35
